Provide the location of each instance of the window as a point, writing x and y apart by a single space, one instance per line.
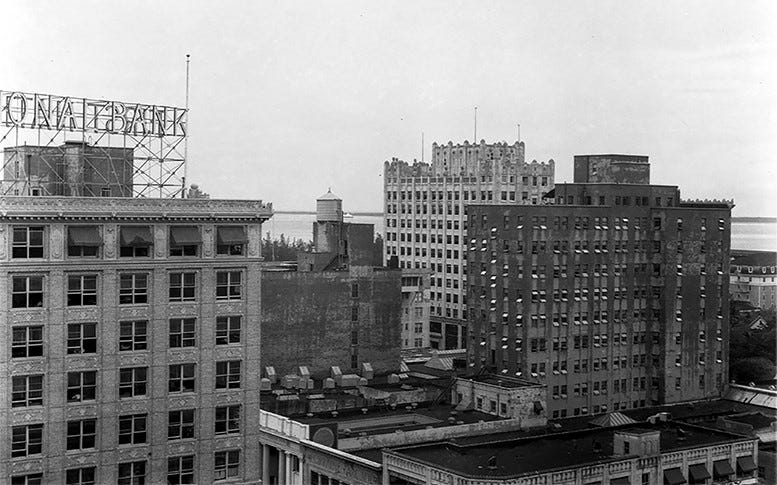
81 338
135 241
228 374
229 285
31 479
133 288
81 386
81 434
80 476
180 470
27 292
132 429
227 464
228 419
27 342
132 381
27 242
354 290
228 330
132 473
231 240
133 336
82 290
183 286
27 391
83 241
180 424
182 332
181 378
26 440
185 241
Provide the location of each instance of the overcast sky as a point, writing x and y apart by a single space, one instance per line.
290 98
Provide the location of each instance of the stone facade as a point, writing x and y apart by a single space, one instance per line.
69 307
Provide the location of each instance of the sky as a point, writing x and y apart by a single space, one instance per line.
291 98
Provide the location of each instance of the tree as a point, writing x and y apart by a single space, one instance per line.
752 369
282 249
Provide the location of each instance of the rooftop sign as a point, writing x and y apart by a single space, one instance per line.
64 113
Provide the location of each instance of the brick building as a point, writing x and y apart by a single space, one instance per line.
426 223
615 297
339 308
73 169
130 332
417 331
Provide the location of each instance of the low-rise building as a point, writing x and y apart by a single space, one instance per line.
753 278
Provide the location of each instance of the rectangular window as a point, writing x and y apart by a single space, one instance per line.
229 285
228 374
180 424
132 429
27 391
231 240
30 479
228 330
185 240
81 386
228 419
83 241
27 292
182 333
26 440
133 289
180 469
81 434
82 290
132 473
354 290
183 286
135 241
26 342
227 464
27 242
81 338
181 378
132 381
80 476
133 336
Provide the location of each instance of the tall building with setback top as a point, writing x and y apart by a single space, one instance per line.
426 223
616 296
130 340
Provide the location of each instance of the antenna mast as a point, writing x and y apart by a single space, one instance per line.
186 140
476 126
422 146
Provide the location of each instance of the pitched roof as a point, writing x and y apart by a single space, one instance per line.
611 419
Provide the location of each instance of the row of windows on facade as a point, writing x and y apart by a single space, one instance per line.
560 343
431 194
540 271
587 222
27 291
392 179
134 336
29 242
27 390
583 246
455 209
180 470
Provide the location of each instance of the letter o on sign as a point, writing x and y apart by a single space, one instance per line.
15 108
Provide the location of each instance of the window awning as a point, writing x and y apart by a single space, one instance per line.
722 468
138 236
230 235
698 472
620 481
673 476
746 464
84 236
185 236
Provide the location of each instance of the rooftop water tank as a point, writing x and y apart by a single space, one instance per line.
329 208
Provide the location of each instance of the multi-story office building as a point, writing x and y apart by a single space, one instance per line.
754 279
616 296
130 332
426 223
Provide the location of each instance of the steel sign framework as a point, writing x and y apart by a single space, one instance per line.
60 145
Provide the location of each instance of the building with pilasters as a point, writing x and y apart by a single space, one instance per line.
426 223
130 340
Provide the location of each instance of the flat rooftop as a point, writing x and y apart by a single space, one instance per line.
512 458
507 382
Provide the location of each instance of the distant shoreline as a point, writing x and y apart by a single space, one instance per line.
760 220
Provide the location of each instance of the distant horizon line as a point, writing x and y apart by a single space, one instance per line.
759 219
